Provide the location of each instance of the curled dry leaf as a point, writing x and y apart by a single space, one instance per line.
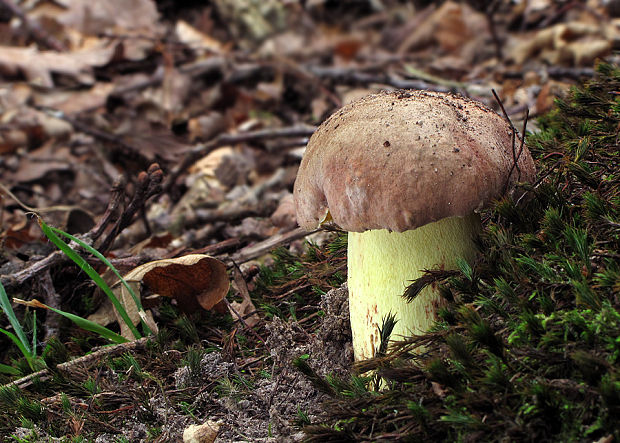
450 27
204 433
571 44
38 66
194 281
284 216
201 42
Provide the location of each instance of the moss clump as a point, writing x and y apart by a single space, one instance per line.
528 348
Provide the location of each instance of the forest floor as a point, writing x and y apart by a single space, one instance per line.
156 130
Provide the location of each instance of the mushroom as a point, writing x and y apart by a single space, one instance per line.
406 173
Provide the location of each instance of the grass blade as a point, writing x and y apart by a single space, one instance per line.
34 333
5 304
9 370
79 321
83 264
26 352
101 257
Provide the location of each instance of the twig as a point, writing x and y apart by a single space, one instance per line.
19 278
41 36
149 184
516 156
194 69
489 12
117 193
344 75
51 298
227 139
242 286
84 360
256 250
573 73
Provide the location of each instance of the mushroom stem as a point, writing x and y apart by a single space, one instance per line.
381 264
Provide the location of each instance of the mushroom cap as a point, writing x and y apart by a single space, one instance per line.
399 160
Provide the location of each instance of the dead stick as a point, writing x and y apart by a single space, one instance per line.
228 139
19 278
256 250
344 75
57 257
87 359
51 298
34 29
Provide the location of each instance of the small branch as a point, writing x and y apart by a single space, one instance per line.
117 193
516 156
489 12
33 28
149 184
85 360
227 139
256 250
21 277
344 75
52 299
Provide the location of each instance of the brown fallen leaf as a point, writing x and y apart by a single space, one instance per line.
246 309
569 44
284 216
200 42
38 66
82 22
42 161
450 27
204 433
195 281
438 389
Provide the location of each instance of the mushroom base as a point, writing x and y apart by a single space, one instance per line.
381 264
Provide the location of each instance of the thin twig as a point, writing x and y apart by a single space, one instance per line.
228 139
52 299
354 76
117 193
256 250
149 184
516 156
87 359
39 34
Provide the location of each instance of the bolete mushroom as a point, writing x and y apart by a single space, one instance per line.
406 173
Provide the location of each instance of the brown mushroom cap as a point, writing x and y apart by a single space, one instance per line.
399 160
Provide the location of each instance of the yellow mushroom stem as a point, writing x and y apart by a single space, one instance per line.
381 264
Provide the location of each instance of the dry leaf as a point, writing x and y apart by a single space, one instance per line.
246 307
194 280
204 433
438 389
74 102
284 216
38 66
206 126
95 18
451 26
42 161
198 41
571 44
